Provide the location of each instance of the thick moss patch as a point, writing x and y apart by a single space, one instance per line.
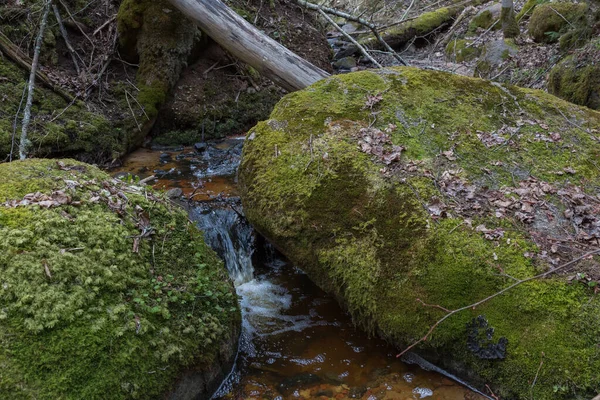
358 180
577 77
105 288
549 21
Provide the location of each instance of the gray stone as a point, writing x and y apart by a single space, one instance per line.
174 193
345 63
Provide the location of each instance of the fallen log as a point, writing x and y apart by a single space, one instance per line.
247 43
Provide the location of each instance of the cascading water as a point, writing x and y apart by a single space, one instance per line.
229 234
296 342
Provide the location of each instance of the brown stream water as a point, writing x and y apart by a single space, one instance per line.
297 343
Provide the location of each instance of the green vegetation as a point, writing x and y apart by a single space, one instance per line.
482 20
163 40
86 309
462 50
362 231
57 128
549 21
577 77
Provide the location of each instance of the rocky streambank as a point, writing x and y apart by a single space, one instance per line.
410 193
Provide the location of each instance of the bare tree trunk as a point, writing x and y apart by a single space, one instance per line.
247 43
31 85
510 28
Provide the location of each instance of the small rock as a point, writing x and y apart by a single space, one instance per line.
174 193
345 63
200 147
165 157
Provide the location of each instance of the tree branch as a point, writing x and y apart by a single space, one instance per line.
506 289
31 85
350 38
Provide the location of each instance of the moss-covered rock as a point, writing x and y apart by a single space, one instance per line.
460 50
577 77
393 189
485 18
106 290
549 21
493 55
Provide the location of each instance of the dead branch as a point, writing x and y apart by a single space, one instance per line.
350 38
506 289
31 85
372 27
16 55
63 32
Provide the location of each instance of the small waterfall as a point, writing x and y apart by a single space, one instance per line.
230 235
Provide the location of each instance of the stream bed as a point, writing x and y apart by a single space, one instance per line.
296 343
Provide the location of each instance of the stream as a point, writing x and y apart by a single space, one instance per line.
296 342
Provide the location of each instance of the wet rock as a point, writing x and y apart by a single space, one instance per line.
356 392
200 147
174 193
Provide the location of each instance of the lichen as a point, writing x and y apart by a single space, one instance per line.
84 313
363 232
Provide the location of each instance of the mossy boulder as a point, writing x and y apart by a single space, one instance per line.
485 18
460 50
577 77
549 21
398 188
494 55
106 290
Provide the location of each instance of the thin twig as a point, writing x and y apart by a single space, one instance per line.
31 85
12 143
350 38
506 289
63 32
372 27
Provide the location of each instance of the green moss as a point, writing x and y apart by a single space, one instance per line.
57 128
528 8
549 21
577 78
482 20
364 234
83 314
423 25
163 39
460 50
510 28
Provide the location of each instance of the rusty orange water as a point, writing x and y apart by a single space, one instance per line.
298 343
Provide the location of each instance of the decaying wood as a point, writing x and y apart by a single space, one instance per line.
247 43
15 54
409 29
31 84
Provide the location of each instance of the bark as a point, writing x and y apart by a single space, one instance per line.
31 85
247 43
